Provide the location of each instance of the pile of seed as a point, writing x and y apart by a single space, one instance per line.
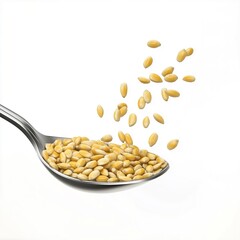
102 161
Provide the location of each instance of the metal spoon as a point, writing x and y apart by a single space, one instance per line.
39 140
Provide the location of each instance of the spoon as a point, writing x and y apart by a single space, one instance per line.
39 140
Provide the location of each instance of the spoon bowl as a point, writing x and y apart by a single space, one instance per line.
39 140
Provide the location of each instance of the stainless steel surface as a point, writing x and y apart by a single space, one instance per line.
39 140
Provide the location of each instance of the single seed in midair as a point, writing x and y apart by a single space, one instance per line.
171 78
146 122
167 71
144 80
128 139
173 93
123 89
121 136
147 96
100 111
189 78
164 94
155 78
141 103
116 115
148 62
153 44
152 139
172 144
132 119
181 55
158 118
189 51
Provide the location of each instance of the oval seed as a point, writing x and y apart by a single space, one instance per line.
172 144
103 161
167 71
152 139
107 138
155 78
102 178
113 179
147 96
173 93
100 111
189 78
128 139
147 62
146 122
123 111
140 171
116 115
82 176
153 43
189 51
93 175
91 164
144 80
120 105
132 119
67 172
181 55
121 136
158 118
164 94
141 103
123 89
171 78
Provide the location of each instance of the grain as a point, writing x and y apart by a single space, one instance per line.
153 43
155 78
128 139
164 94
147 96
173 93
171 78
189 51
152 139
121 136
107 138
148 62
100 111
124 89
189 78
116 115
144 80
158 118
132 119
103 161
141 103
172 144
93 175
167 70
123 111
146 122
181 55
120 105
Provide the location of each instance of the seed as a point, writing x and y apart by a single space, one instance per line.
117 164
104 172
102 178
138 177
173 93
152 139
181 55
107 138
100 111
144 80
82 176
153 43
103 161
116 115
68 153
167 71
170 78
147 62
87 172
75 175
123 111
147 96
155 78
112 175
128 139
93 175
97 157
78 170
189 78
164 94
158 118
83 146
141 103
157 166
126 163
144 160
113 179
100 168
123 89
140 171
111 156
146 122
91 164
81 162
149 168
189 51
67 172
172 144
128 170
85 153
147 175
64 166
58 149
53 165
132 119
121 136
120 105
77 141
125 179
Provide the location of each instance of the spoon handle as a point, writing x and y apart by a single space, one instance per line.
32 134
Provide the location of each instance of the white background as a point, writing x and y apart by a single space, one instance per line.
60 59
